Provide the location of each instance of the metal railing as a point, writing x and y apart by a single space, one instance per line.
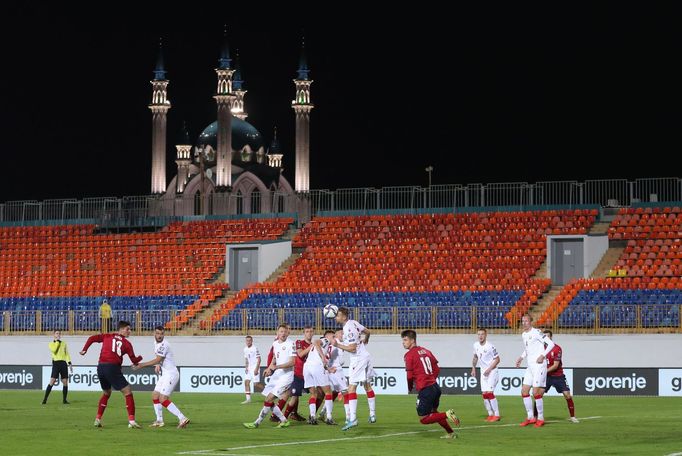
132 210
584 319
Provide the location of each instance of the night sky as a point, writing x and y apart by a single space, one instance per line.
484 94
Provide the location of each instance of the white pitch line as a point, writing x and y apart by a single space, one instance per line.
362 437
674 454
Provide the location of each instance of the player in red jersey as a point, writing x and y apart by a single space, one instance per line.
422 370
557 379
303 347
114 346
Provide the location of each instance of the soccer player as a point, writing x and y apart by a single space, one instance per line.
422 370
303 347
485 353
60 358
251 367
556 377
339 383
317 381
114 346
282 371
355 336
536 371
164 363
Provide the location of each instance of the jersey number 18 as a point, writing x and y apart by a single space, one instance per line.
426 362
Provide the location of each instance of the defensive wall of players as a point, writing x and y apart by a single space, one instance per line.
594 364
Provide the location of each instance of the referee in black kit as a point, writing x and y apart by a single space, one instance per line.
60 359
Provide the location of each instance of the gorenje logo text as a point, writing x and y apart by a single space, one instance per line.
632 383
22 378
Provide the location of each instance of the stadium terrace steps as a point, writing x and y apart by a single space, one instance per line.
193 328
606 263
545 301
282 268
599 228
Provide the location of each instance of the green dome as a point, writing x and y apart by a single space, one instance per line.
243 133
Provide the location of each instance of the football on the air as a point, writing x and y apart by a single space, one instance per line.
330 311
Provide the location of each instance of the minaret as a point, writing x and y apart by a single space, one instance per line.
302 107
238 108
224 98
159 107
184 150
275 153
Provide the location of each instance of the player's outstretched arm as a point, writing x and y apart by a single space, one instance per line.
155 361
99 338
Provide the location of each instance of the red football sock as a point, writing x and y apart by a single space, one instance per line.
346 398
288 411
571 407
445 425
102 405
281 404
130 406
370 394
433 418
440 418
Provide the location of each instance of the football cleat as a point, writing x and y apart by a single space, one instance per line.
284 424
349 425
372 419
250 425
248 401
66 402
296 417
157 424
452 417
133 425
494 418
312 420
330 422
574 420
183 424
527 422
539 423
450 435
274 419
98 423
488 418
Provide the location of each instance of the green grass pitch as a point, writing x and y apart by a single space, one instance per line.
614 425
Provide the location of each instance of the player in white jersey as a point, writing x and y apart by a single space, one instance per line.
282 370
534 343
164 363
485 355
338 380
355 336
251 367
317 381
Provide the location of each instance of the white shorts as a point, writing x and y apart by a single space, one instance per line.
254 378
338 380
315 376
536 375
166 383
489 382
279 383
360 370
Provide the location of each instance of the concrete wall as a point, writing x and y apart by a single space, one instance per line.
641 350
270 256
594 248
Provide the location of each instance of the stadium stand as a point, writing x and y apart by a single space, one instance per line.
642 290
57 269
433 268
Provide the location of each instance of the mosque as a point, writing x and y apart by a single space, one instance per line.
229 169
